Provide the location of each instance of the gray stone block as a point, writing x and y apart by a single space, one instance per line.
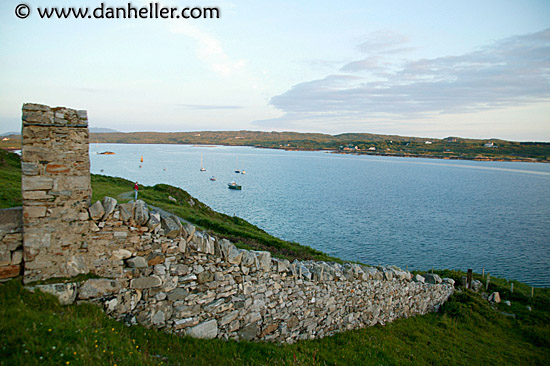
206 330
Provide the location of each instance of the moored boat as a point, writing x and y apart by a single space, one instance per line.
234 185
202 168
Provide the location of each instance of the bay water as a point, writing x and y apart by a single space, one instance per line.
410 212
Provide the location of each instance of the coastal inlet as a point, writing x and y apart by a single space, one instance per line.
415 213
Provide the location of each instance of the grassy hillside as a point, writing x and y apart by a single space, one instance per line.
10 179
35 329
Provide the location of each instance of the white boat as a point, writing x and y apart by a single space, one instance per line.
202 169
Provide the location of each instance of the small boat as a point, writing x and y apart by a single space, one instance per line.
243 172
202 169
237 170
106 153
212 178
141 160
234 185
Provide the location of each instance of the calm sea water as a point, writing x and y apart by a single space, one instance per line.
420 213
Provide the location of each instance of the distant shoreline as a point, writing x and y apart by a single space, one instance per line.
369 153
450 148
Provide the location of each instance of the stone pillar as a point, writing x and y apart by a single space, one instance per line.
56 191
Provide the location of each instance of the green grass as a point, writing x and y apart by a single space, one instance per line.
467 330
10 179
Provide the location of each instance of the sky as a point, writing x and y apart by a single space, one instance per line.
477 69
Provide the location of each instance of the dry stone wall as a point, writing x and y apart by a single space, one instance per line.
164 273
11 243
56 190
160 271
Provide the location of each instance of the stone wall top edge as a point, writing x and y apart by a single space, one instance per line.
80 125
42 115
35 107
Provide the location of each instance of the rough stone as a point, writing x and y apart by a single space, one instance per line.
206 330
154 221
141 212
146 282
36 183
96 287
120 254
109 205
476 285
9 271
432 278
155 258
177 294
137 262
16 257
205 276
96 211
171 226
264 259
188 231
419 278
65 292
494 297
126 211
248 332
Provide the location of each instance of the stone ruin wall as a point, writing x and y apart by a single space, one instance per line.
163 273
56 190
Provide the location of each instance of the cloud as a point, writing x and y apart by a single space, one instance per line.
209 107
371 63
209 49
383 41
511 72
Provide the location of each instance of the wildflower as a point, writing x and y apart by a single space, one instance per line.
68 362
74 353
137 347
49 330
113 329
96 346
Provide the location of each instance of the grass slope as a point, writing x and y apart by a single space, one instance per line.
36 329
10 179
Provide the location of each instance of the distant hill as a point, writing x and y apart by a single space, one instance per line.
356 143
10 133
102 130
